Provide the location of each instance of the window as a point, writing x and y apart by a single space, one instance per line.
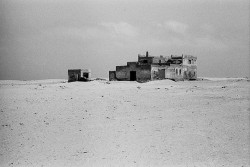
189 61
144 61
179 71
176 71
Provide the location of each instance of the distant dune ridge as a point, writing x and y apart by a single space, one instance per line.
110 123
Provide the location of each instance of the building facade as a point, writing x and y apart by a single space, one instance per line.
157 67
79 75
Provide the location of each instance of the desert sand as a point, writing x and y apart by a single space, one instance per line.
102 123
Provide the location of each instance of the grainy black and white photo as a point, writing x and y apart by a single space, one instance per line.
130 83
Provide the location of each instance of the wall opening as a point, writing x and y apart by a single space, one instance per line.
132 75
86 75
162 74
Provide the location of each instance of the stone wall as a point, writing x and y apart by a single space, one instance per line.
142 72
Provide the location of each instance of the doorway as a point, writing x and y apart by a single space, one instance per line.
161 73
86 75
132 75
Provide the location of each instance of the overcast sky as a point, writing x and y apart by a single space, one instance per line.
42 39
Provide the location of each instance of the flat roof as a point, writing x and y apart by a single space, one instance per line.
82 70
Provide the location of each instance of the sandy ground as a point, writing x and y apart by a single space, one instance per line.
100 123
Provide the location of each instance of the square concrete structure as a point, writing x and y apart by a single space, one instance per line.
79 75
148 67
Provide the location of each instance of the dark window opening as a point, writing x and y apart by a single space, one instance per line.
145 61
86 75
189 61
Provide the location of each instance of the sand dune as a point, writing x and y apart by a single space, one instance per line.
102 123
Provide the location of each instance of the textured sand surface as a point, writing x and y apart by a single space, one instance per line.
100 123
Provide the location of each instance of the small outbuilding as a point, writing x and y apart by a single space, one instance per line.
79 75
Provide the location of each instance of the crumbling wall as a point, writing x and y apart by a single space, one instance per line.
160 60
190 66
189 60
158 72
86 73
190 72
145 59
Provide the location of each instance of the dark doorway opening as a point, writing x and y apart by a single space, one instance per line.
86 75
132 75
